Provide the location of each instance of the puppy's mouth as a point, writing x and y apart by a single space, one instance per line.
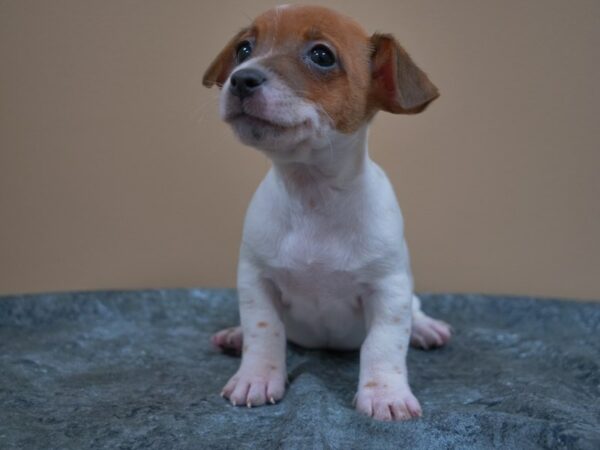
276 124
260 122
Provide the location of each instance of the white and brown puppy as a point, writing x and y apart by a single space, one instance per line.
323 260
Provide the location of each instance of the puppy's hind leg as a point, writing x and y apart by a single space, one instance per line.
427 332
229 340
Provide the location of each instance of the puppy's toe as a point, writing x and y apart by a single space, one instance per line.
388 404
250 388
239 395
382 411
275 389
257 394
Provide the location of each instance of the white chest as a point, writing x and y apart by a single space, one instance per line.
323 249
317 271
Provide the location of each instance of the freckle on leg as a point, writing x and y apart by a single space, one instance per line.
371 384
262 324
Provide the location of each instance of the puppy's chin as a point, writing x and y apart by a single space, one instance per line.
275 140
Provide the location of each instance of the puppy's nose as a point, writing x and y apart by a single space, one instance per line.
245 82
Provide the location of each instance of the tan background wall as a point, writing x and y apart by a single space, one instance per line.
115 171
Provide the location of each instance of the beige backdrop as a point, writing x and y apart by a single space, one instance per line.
115 171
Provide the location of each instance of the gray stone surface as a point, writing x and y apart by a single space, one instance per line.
136 370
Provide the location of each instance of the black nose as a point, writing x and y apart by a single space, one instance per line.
245 82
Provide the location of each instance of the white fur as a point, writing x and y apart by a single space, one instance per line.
323 260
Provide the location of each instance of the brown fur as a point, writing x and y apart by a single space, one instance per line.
373 73
219 70
398 85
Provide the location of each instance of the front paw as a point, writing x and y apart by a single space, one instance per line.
255 386
383 402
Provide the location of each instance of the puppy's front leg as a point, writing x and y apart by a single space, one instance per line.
262 373
383 391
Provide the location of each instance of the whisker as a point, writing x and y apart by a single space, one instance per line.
203 107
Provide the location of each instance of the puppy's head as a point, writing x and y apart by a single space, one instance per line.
300 74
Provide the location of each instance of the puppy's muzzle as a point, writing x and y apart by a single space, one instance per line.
246 82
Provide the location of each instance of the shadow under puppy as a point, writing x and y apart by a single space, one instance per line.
323 260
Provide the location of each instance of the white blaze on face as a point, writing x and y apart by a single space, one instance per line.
273 118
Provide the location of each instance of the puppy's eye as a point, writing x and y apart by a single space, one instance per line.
322 56
243 51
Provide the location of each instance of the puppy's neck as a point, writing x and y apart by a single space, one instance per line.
333 168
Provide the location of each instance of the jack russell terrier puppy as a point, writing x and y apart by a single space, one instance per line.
323 260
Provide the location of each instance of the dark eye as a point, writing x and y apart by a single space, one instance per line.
243 52
322 56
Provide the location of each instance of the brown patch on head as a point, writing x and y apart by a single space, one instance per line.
340 91
371 384
283 37
262 324
370 73
396 319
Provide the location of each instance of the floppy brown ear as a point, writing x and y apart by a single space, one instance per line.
221 67
397 84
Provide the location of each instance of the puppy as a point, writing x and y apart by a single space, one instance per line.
323 260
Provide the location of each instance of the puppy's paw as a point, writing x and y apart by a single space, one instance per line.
255 387
229 339
429 333
386 403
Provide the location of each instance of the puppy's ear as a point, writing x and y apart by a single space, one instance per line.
223 64
397 84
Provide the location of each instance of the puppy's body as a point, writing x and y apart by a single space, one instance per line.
323 261
334 240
